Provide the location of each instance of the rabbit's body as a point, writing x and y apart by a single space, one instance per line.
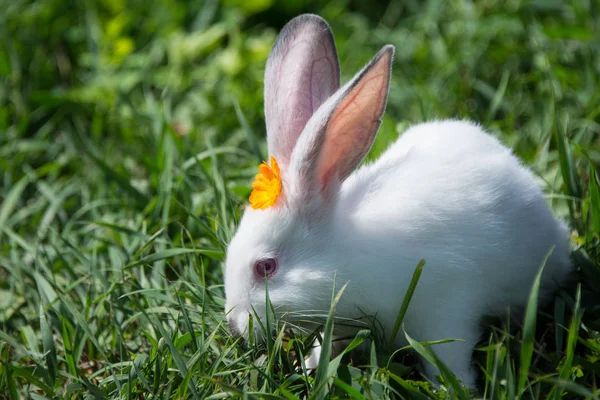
446 192
451 194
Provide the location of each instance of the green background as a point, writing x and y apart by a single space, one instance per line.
129 136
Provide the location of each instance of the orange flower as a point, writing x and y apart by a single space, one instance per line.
267 186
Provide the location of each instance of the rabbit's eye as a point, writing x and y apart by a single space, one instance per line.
265 267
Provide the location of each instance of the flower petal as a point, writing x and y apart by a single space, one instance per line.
266 171
259 185
275 167
261 178
267 185
258 195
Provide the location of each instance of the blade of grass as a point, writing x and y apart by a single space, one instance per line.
6 371
49 348
122 180
269 316
594 199
572 388
498 96
31 375
450 380
248 130
349 390
10 201
565 157
529 327
67 337
174 252
322 377
413 392
407 297
183 371
360 337
559 323
565 369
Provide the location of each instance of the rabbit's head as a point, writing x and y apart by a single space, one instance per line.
317 134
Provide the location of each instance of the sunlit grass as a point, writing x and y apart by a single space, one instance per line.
129 136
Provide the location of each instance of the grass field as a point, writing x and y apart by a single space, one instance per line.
129 136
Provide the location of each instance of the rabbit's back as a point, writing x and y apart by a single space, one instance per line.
455 196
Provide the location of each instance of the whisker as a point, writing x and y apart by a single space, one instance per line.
324 316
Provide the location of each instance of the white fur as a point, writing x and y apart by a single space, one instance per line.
446 192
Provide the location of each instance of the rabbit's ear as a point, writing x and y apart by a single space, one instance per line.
301 73
343 130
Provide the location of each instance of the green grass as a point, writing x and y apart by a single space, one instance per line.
129 135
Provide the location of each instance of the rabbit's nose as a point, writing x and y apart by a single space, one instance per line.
233 328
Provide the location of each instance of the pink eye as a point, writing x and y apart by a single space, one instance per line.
265 267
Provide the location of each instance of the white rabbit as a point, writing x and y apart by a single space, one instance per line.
445 191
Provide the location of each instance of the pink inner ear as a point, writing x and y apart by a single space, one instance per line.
302 74
354 123
300 97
